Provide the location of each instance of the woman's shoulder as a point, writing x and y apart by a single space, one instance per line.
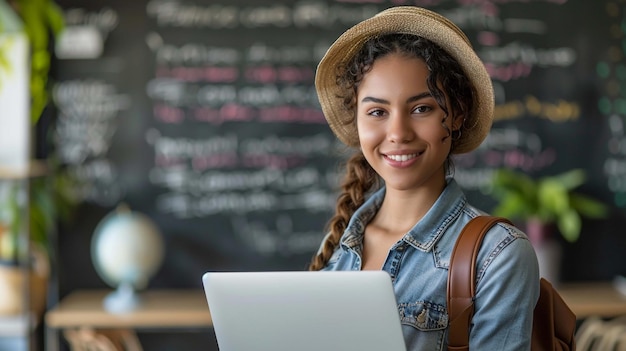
505 247
501 230
502 241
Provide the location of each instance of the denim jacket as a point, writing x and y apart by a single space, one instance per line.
507 283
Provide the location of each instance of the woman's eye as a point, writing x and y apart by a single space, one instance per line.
421 109
376 113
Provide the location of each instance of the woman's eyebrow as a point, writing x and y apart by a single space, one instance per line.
376 100
419 96
383 101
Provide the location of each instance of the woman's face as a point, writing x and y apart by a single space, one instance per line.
400 124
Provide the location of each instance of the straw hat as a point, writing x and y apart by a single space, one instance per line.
409 20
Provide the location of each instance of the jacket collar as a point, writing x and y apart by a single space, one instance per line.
425 234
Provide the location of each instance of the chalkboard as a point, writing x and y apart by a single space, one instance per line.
203 115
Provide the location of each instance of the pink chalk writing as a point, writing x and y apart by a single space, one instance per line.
271 161
285 74
509 72
210 74
201 163
226 113
488 38
519 159
295 74
168 114
291 114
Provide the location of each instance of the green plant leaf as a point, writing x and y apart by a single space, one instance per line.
587 206
569 180
569 224
11 216
515 205
516 192
553 199
7 245
54 16
506 180
41 19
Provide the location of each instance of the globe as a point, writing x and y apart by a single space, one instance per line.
127 250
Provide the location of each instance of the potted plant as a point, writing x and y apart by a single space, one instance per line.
546 200
35 207
545 206
36 210
20 258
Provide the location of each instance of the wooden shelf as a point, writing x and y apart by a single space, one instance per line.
35 169
159 309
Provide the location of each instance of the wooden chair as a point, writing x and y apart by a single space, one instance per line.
87 339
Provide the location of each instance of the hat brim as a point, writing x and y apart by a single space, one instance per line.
407 20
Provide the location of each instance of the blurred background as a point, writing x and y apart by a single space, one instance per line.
202 116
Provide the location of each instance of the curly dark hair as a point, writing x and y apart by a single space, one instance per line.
447 83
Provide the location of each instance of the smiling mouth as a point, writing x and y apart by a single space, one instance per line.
402 158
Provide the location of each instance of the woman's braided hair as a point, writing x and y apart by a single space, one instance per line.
446 79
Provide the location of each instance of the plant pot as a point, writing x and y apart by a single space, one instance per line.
548 249
13 286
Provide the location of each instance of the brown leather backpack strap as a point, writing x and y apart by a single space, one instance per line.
462 277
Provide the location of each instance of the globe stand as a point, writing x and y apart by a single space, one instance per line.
126 249
124 299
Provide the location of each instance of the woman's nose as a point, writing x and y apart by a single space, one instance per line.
399 129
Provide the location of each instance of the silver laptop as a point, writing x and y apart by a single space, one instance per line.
304 311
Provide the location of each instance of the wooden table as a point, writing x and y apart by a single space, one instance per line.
188 309
160 309
593 299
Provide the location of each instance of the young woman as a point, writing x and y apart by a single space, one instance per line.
406 89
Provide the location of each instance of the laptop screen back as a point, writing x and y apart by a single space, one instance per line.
304 311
